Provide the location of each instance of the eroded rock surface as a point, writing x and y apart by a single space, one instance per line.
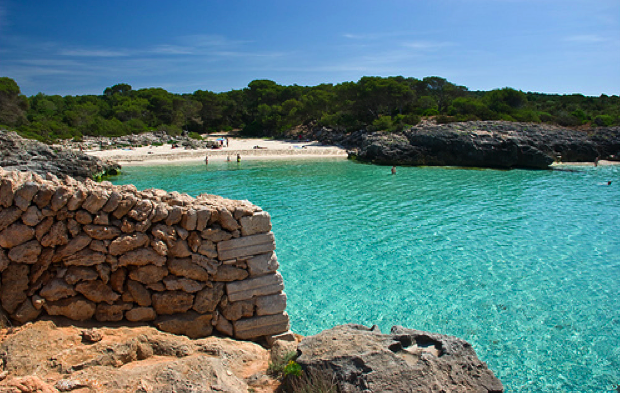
365 360
22 154
44 357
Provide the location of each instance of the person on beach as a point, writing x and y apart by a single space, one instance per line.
596 161
207 160
238 157
393 170
228 158
226 141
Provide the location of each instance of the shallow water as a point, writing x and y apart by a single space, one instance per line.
525 265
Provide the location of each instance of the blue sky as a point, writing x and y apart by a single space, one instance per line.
82 47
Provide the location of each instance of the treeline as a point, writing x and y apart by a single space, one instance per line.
265 108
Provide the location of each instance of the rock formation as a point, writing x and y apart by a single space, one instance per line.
17 153
44 357
87 250
406 360
492 144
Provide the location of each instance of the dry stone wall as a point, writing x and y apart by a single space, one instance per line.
87 250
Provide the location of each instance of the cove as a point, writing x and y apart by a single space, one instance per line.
525 265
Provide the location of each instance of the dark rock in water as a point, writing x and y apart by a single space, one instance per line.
365 360
494 144
17 153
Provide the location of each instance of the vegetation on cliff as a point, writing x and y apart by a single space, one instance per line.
266 108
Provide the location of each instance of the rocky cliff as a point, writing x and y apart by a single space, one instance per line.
17 153
479 144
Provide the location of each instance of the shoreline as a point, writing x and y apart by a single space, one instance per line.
248 149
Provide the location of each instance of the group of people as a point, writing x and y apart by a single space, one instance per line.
227 159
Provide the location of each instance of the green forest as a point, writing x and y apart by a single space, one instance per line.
265 108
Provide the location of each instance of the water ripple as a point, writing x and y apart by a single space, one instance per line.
523 264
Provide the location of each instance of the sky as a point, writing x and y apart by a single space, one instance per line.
83 46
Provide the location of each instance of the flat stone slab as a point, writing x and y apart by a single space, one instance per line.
258 286
249 328
246 246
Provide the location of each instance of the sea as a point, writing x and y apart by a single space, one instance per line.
523 264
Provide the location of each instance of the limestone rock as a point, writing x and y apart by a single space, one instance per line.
215 234
406 360
125 243
258 286
95 201
149 274
76 308
26 312
97 291
14 286
76 274
174 283
263 264
57 289
140 314
76 244
141 257
250 328
26 252
246 246
16 234
172 302
227 221
111 312
84 257
102 232
24 194
229 273
32 216
185 268
258 223
237 310
8 216
190 324
208 299
271 304
57 235
139 293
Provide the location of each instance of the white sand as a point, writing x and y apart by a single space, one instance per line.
269 149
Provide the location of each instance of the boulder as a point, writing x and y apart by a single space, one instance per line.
406 360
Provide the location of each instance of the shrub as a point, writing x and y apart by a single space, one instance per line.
195 135
313 381
603 120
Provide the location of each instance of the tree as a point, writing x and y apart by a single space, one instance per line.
13 105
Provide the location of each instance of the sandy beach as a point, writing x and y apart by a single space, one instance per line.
248 149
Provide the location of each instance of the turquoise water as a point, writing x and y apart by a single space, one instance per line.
525 265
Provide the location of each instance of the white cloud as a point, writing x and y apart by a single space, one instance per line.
587 39
93 53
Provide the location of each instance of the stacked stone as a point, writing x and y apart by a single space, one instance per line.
87 250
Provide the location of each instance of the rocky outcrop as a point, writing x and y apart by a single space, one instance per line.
406 360
49 357
87 250
19 154
492 144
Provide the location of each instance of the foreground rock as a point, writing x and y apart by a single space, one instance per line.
406 360
44 357
19 154
493 144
